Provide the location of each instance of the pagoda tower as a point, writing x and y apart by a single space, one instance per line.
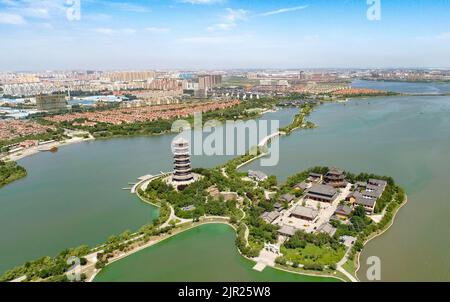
182 162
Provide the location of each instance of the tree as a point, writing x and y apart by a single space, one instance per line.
360 212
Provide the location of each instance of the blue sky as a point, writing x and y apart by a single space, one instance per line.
223 34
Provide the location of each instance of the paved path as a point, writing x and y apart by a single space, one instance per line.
264 141
265 258
343 261
224 172
174 218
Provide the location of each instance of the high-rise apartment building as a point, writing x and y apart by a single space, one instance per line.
130 76
51 103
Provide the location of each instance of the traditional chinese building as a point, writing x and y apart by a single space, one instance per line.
182 163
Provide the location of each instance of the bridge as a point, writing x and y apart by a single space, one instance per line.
265 140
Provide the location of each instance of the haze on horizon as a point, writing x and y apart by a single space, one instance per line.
223 34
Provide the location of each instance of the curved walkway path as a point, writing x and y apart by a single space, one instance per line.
342 262
266 139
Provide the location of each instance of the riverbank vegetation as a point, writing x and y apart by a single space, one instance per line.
319 250
299 119
57 134
10 171
47 268
160 126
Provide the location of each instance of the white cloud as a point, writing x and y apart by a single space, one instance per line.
11 19
444 36
209 40
9 2
128 31
110 31
97 17
130 7
36 12
201 1
284 10
104 31
221 26
44 25
21 9
230 19
157 29
234 15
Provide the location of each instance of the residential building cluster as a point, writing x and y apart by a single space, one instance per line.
143 114
10 129
356 91
406 75
320 88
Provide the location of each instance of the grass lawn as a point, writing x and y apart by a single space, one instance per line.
313 254
350 267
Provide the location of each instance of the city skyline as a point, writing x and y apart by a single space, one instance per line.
222 34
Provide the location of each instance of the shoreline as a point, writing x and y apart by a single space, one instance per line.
152 243
35 150
358 256
221 220
203 223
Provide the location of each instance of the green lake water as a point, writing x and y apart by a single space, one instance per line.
188 257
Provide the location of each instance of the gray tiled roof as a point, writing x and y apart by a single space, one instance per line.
305 212
270 216
257 174
327 228
322 190
378 182
287 230
287 197
343 209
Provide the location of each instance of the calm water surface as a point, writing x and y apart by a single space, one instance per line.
404 87
75 196
407 138
187 257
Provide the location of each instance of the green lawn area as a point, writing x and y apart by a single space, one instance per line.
313 254
350 267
